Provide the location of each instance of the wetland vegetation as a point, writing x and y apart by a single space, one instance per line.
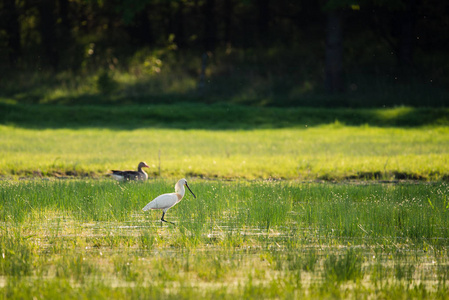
246 239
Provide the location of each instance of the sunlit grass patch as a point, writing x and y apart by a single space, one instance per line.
326 152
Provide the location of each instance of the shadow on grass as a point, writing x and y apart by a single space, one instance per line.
210 116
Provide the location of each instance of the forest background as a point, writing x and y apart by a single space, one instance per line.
366 53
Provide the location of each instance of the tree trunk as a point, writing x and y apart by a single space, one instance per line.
228 9
180 37
47 29
406 19
64 15
334 54
12 28
141 29
210 25
64 37
263 21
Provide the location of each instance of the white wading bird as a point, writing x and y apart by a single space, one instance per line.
131 175
166 201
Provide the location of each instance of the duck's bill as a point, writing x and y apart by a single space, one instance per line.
190 191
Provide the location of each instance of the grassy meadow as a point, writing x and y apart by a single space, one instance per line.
292 203
225 142
331 152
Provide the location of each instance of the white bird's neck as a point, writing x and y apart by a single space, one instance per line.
179 189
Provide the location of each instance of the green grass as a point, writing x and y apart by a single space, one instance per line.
173 114
248 235
263 239
327 152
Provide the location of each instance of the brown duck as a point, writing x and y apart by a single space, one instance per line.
131 175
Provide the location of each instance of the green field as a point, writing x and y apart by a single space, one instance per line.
292 203
328 152
225 141
89 239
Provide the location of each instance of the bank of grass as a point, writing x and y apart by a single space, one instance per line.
325 152
263 239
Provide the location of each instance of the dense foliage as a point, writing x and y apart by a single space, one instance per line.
251 49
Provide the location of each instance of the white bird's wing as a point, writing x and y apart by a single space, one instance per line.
162 202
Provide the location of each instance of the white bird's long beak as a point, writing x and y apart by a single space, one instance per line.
190 191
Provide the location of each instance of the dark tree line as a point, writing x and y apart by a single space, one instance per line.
57 34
